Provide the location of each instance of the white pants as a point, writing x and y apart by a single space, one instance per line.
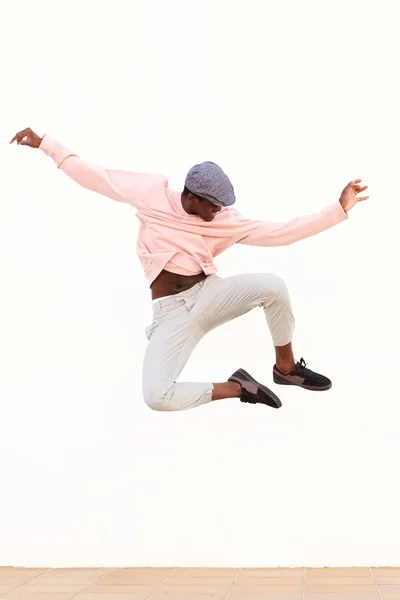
180 321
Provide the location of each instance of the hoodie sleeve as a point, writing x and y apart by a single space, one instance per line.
264 233
123 186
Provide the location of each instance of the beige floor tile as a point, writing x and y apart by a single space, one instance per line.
188 573
84 596
183 590
121 589
266 589
14 581
19 573
7 587
159 596
33 596
342 589
80 581
253 573
132 580
273 596
142 572
338 572
386 571
40 588
268 581
387 580
340 581
199 581
390 591
75 573
334 596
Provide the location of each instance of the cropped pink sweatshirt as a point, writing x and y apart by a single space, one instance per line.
171 239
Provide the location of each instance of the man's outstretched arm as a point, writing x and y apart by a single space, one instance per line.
262 233
123 186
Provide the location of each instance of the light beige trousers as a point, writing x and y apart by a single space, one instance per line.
180 321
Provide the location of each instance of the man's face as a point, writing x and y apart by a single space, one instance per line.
203 208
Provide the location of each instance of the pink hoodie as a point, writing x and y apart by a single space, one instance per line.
171 239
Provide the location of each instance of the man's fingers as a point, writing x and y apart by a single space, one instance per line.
17 137
20 135
21 139
363 198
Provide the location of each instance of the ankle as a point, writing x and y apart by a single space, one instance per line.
229 389
236 388
285 367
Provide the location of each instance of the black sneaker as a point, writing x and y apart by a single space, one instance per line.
303 377
253 392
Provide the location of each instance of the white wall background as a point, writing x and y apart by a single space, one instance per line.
293 99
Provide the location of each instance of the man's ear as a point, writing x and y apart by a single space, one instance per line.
194 199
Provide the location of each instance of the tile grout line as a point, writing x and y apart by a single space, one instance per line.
232 584
25 582
162 583
376 585
92 583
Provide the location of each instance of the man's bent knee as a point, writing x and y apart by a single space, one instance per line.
277 286
157 400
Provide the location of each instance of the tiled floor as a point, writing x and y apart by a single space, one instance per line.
199 584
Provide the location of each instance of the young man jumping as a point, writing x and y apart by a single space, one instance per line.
180 235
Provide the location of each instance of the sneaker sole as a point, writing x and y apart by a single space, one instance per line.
266 390
279 381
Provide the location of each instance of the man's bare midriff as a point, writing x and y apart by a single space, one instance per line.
167 284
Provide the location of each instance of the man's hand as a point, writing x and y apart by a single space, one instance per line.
32 139
349 197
